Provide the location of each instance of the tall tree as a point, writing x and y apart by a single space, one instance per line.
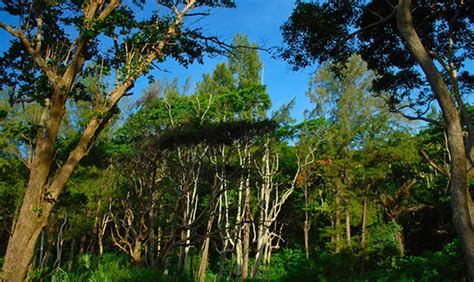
54 43
414 47
238 96
346 101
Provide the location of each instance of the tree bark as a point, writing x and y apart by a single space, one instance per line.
48 247
240 214
95 227
307 226
246 230
345 181
34 210
42 194
337 223
151 238
205 251
71 255
41 250
137 253
348 222
82 244
40 197
400 239
59 242
364 222
101 232
461 201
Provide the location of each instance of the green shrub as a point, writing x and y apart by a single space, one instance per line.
446 264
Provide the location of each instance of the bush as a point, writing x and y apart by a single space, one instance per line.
375 264
350 264
446 264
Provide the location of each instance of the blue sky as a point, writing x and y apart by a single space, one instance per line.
261 21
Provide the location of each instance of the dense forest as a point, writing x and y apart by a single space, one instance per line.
208 181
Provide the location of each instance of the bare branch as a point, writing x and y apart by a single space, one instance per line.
374 13
434 165
374 24
430 120
109 9
440 60
197 14
419 116
39 25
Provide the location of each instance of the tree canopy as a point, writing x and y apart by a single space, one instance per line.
208 181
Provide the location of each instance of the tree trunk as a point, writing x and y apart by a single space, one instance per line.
22 243
348 223
205 251
246 231
306 221
48 247
101 230
185 234
345 181
460 198
71 256
35 210
400 240
337 223
364 222
151 238
59 243
41 194
41 250
258 260
95 228
203 264
136 253
238 228
100 244
82 244
243 232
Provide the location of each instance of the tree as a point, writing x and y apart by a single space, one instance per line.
238 97
346 101
405 43
200 171
54 44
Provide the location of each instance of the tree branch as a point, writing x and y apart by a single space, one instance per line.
52 77
434 165
379 22
109 9
39 25
430 120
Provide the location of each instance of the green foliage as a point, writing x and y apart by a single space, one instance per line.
383 243
244 62
322 31
292 265
118 31
110 267
137 179
288 265
444 265
59 275
214 134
